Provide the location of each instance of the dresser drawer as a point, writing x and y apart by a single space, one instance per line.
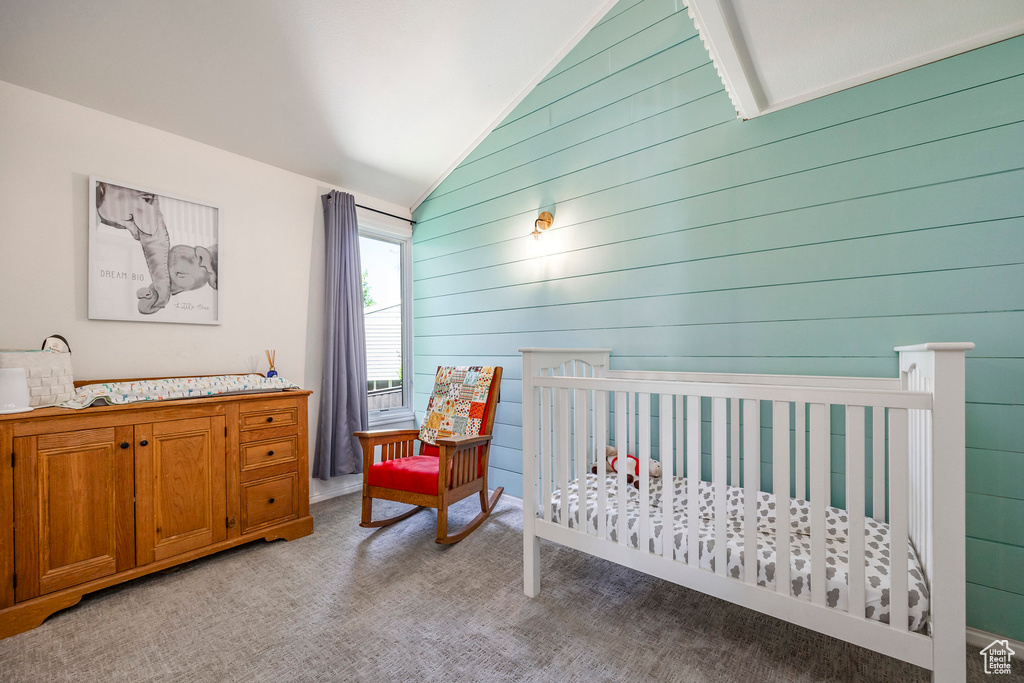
271 417
263 453
270 501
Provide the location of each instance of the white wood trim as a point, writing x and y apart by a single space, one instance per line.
531 452
920 400
561 449
820 472
947 501
936 346
339 490
751 485
874 383
643 454
980 639
519 98
878 471
718 475
620 444
374 229
729 55
899 494
734 441
693 466
855 506
780 486
665 451
579 437
800 449
601 438
972 43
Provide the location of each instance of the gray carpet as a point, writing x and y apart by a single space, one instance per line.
390 605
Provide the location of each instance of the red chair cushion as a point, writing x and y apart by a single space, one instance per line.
417 474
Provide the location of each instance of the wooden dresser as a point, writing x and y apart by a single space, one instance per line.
90 498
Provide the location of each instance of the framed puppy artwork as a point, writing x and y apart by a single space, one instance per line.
152 257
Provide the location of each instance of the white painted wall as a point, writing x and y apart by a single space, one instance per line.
271 261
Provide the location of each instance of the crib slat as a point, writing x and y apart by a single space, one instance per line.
780 485
620 443
916 495
734 443
801 450
545 454
580 441
692 479
562 452
600 439
644 455
898 503
751 486
680 439
719 470
878 464
630 426
855 505
820 471
665 450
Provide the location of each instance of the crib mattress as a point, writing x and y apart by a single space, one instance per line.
876 542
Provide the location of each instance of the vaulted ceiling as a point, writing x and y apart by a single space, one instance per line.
772 55
377 96
383 97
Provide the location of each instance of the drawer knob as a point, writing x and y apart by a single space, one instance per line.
271 501
125 444
270 452
270 419
143 443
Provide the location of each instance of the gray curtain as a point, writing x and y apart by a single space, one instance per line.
343 390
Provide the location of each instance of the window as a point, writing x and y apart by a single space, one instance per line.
385 263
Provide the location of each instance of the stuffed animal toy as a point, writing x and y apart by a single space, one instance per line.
632 466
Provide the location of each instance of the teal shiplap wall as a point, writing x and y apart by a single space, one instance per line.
812 240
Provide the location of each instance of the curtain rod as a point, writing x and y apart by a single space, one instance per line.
408 220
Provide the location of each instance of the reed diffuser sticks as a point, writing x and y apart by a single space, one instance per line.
271 357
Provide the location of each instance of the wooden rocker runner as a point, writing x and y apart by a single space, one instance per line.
455 442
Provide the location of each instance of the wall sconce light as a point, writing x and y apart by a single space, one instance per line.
542 223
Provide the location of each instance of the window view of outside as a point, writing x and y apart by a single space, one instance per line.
382 314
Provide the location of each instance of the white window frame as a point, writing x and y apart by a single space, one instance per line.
386 230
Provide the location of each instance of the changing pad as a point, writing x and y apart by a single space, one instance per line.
119 393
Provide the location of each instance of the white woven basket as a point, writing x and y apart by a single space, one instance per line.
50 379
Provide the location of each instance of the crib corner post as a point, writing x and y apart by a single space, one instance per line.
531 544
944 369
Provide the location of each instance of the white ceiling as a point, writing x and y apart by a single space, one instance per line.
383 97
776 54
377 96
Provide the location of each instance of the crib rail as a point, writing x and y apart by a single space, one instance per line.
747 432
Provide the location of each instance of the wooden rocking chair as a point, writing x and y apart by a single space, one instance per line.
444 472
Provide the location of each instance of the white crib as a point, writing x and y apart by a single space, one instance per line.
573 404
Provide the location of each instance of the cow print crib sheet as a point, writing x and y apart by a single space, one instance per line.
876 542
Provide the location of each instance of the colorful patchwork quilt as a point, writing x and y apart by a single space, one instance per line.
118 393
456 407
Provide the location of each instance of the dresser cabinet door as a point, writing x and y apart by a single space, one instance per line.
73 508
180 483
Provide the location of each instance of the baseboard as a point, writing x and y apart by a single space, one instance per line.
340 489
982 639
